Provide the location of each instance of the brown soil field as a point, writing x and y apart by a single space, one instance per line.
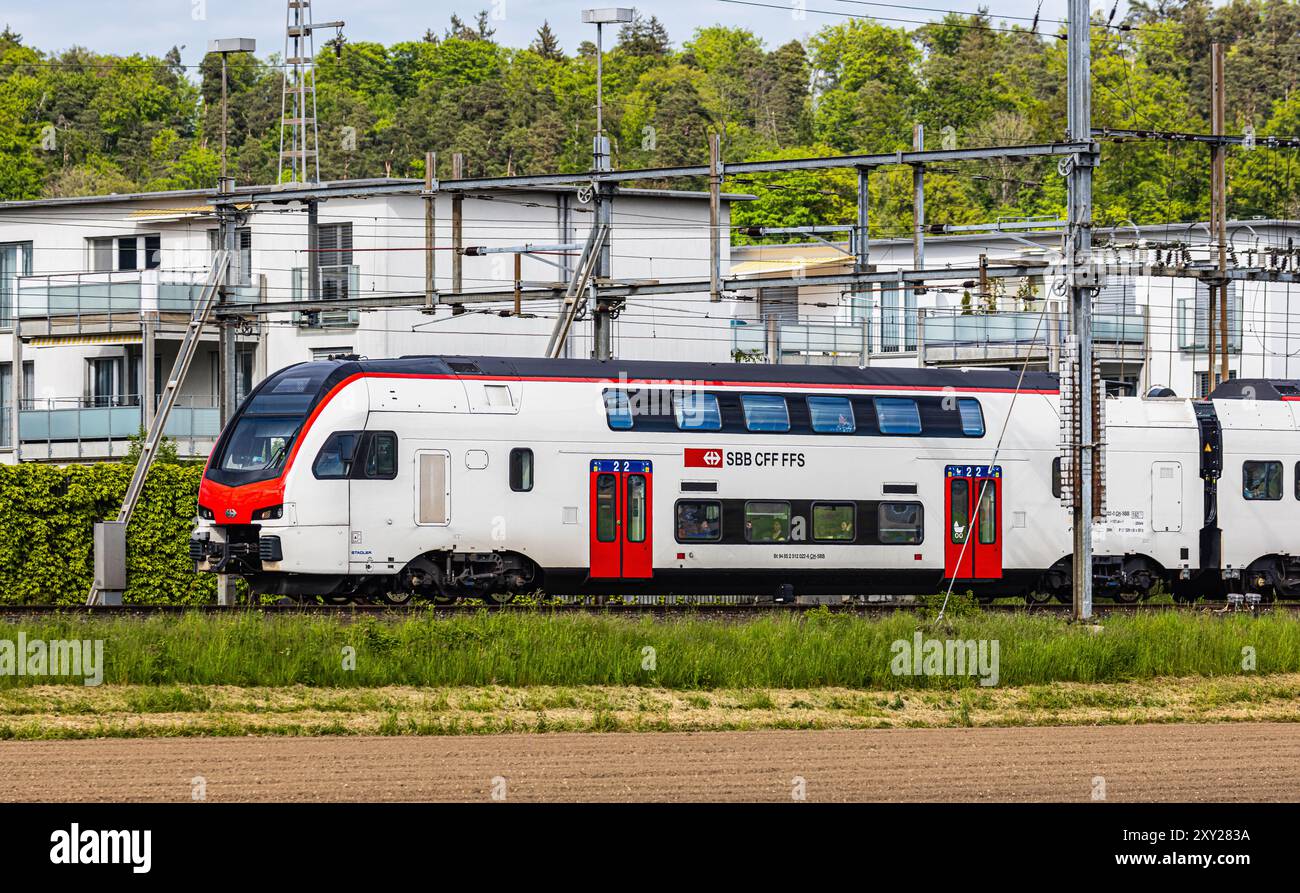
1240 761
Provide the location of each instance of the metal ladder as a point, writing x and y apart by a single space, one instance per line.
575 295
184 356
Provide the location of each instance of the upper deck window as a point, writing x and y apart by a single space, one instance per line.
898 415
765 412
618 410
697 411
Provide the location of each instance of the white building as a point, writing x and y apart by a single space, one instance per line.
1150 330
88 284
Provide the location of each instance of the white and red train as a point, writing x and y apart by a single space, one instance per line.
445 477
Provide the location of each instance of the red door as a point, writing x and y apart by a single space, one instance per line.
621 543
973 509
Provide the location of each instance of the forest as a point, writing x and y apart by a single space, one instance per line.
77 122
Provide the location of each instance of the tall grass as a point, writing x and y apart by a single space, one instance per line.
526 648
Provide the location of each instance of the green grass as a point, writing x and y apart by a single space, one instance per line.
528 649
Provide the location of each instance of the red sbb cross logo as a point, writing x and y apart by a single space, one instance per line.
703 458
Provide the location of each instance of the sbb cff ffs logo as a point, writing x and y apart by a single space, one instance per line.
710 457
704 458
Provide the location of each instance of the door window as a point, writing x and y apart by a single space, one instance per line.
960 488
606 508
636 505
988 512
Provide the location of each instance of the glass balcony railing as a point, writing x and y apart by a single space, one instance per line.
109 300
54 420
938 333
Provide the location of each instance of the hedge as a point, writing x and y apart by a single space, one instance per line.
47 519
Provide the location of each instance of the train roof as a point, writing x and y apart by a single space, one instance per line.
739 373
1257 389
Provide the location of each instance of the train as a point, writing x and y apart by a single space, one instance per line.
450 477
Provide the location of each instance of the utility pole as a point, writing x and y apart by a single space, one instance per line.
918 206
1078 265
298 96
1218 219
603 193
457 225
715 217
430 197
228 241
862 260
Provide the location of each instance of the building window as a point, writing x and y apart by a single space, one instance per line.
831 415
767 522
834 522
334 461
126 253
521 469
901 523
15 261
699 521
898 415
780 303
1261 480
1194 319
764 412
1203 388
242 261
697 412
105 384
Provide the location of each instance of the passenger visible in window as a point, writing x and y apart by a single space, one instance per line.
777 535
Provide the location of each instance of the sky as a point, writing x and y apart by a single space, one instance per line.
153 26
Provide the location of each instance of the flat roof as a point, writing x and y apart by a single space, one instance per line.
287 191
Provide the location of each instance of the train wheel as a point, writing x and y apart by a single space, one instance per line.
337 599
1034 597
396 599
499 598
1128 597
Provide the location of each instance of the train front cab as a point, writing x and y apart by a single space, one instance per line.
243 492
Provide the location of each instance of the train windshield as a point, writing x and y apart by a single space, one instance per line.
257 445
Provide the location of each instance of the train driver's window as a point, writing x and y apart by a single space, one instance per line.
1056 477
618 410
335 458
765 412
699 521
901 523
831 415
767 522
696 411
381 457
898 415
1297 480
1261 480
521 469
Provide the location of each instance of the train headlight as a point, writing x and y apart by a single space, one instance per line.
269 514
206 513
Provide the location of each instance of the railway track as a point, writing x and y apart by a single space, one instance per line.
694 609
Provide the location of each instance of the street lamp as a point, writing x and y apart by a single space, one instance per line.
225 47
613 15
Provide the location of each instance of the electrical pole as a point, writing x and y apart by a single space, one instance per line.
430 197
228 241
1218 219
603 193
1078 265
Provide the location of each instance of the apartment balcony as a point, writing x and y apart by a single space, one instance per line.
934 337
951 337
90 428
70 304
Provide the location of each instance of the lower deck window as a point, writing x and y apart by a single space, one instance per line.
699 521
833 522
1261 480
767 522
902 523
